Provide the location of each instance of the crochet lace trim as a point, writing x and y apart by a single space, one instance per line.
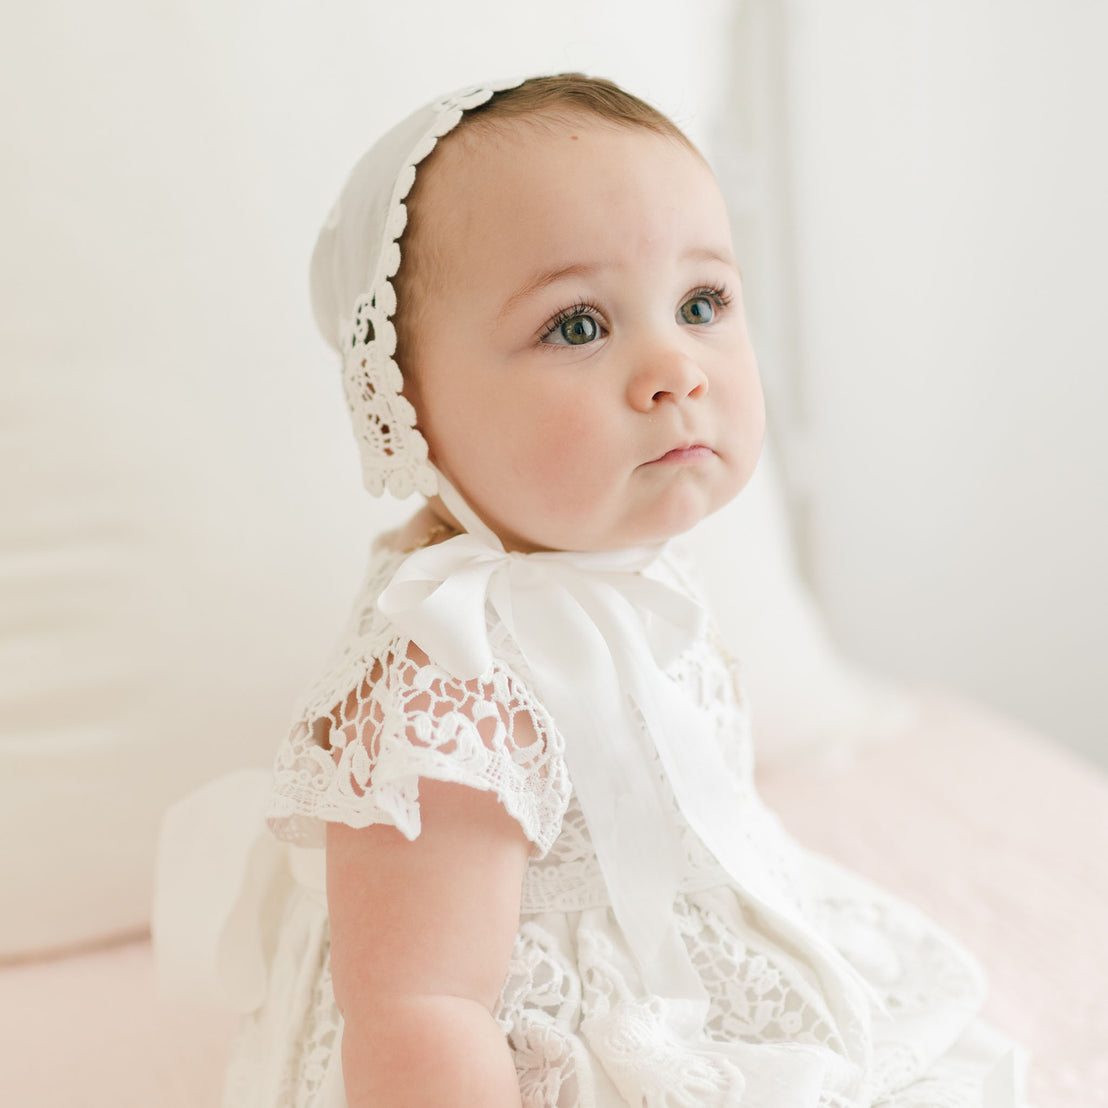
361 763
393 452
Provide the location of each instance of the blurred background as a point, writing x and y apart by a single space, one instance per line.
918 195
931 310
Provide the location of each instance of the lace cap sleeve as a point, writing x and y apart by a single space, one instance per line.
383 716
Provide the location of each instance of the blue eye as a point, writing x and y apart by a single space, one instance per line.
698 309
574 328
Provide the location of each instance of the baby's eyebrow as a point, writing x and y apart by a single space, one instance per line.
708 254
544 278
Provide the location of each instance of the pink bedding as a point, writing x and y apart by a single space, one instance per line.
996 834
1003 839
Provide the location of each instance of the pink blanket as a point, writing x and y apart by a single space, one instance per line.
1003 839
999 836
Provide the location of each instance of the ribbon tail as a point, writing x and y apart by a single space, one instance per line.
621 796
671 619
219 870
703 788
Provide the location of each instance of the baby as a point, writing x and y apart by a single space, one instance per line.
548 878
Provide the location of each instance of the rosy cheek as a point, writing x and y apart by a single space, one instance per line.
564 448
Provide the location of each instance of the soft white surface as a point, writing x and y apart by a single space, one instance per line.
183 526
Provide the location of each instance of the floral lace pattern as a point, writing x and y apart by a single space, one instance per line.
756 994
394 453
363 741
407 720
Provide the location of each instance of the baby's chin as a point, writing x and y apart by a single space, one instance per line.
650 531
681 514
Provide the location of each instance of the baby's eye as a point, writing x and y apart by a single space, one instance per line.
573 329
699 309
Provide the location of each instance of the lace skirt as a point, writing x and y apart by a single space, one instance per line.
582 1038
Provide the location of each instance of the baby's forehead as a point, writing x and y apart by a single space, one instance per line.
466 151
447 183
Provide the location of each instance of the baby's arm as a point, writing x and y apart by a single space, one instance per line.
421 934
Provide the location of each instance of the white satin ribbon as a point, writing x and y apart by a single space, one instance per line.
218 866
221 883
598 635
568 614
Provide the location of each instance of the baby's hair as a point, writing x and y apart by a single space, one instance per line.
569 96
558 99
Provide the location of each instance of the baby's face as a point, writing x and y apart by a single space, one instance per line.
582 371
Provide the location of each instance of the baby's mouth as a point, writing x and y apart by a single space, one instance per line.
685 455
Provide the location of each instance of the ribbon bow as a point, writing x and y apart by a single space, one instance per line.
595 633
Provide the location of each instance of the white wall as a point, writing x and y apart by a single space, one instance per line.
946 386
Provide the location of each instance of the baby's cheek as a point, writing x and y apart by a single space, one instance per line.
742 417
568 457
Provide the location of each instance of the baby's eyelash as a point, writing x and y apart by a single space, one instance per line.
718 293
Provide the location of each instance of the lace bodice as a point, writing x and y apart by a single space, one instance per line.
381 716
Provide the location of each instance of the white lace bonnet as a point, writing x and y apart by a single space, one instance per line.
356 256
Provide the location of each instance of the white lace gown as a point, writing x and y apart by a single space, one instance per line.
583 1031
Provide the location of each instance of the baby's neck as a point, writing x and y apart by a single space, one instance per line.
430 525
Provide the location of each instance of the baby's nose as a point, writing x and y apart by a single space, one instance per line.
666 373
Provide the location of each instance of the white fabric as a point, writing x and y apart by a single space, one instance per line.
214 838
584 1027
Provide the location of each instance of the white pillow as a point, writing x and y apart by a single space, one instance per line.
183 526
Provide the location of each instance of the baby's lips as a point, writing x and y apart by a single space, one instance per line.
686 452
